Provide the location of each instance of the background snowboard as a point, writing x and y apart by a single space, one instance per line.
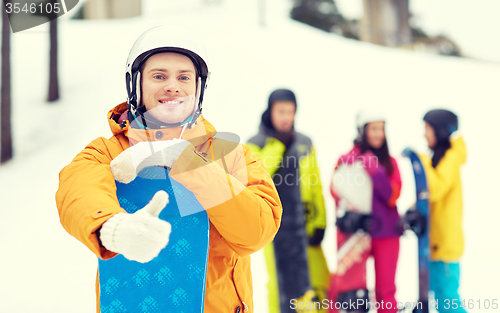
353 186
175 280
422 207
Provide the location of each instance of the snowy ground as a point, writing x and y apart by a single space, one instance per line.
43 269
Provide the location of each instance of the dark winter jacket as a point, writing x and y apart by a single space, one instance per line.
295 173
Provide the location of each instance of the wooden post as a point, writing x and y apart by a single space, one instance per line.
5 102
403 7
262 12
53 77
108 9
386 22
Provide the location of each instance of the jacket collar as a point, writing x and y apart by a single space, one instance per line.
266 131
119 124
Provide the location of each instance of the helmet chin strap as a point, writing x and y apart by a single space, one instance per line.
190 121
197 104
182 131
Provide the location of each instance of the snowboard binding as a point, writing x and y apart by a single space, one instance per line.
350 222
348 301
412 220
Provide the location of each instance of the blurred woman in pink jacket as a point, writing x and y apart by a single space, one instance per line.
370 147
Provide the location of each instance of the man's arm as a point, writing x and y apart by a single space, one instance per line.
312 193
238 194
271 154
86 197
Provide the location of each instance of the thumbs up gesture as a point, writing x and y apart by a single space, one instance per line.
139 236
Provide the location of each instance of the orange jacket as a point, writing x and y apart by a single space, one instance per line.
241 201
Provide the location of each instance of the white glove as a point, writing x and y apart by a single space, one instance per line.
146 153
139 236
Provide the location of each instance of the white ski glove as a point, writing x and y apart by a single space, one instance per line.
146 153
139 236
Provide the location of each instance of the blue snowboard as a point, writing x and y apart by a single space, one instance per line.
175 280
422 207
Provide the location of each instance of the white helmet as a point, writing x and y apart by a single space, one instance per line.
165 39
367 116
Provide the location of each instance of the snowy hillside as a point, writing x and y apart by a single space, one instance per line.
473 25
43 269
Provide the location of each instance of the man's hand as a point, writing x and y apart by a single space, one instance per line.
307 303
146 153
139 236
317 237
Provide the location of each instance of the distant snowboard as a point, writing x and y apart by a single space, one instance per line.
422 208
353 185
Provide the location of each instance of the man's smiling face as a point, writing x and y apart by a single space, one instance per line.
169 87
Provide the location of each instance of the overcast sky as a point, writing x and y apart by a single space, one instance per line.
474 25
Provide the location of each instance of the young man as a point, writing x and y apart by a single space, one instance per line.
295 260
161 125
